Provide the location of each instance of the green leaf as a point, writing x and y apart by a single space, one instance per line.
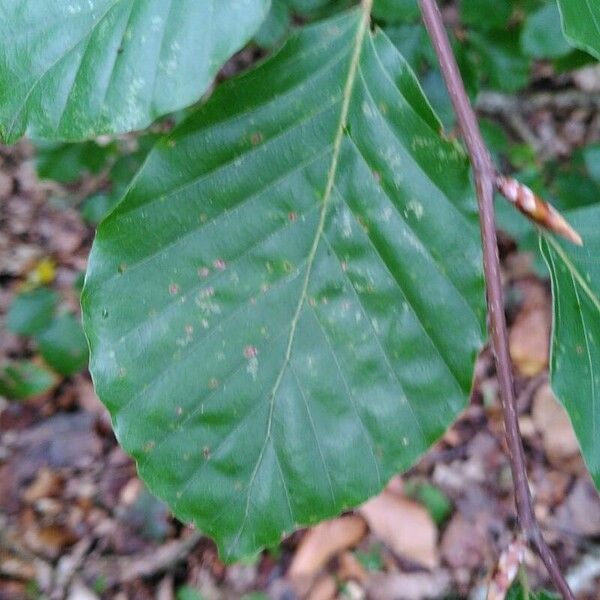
575 361
500 61
63 345
372 559
96 207
186 592
25 379
486 14
396 11
275 26
413 43
319 9
31 312
432 497
541 37
517 592
279 314
581 24
591 157
66 163
576 59
74 69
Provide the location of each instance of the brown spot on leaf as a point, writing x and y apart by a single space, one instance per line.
250 352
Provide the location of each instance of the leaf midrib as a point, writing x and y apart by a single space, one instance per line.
329 186
331 176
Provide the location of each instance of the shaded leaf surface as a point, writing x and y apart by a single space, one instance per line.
63 345
575 362
76 69
540 37
279 311
31 312
25 379
581 24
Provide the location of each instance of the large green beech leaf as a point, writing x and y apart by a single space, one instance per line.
285 308
72 69
581 24
575 363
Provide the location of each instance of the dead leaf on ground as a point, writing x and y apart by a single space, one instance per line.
464 544
529 337
325 588
508 566
321 543
408 586
587 78
350 568
47 484
64 440
580 514
49 541
552 422
79 591
405 526
16 567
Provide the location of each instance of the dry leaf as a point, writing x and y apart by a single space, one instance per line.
15 567
587 78
464 544
552 422
408 586
351 569
6 185
506 571
325 588
529 337
79 591
580 514
404 526
49 540
323 542
47 484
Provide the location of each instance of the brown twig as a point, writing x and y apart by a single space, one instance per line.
494 103
117 570
484 180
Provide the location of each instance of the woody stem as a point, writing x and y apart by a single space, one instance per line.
484 173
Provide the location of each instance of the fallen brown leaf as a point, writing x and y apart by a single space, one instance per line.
325 588
47 484
552 422
529 337
408 586
321 543
351 569
464 544
404 526
506 571
50 540
580 514
79 591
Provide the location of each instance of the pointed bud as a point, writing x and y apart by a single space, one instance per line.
536 209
